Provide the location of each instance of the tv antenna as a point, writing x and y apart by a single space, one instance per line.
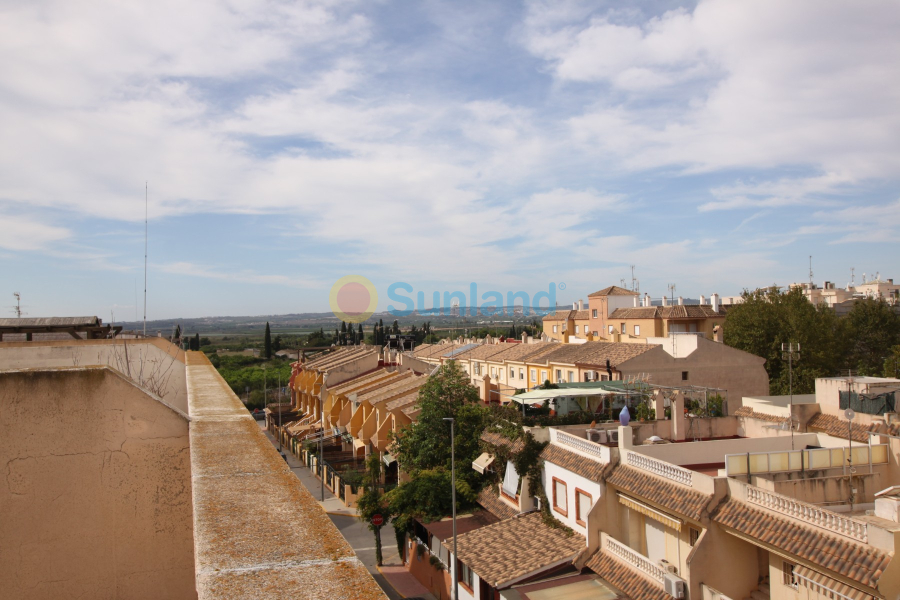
635 284
852 277
18 307
810 273
672 291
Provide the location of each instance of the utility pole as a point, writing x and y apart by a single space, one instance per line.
791 352
454 569
146 231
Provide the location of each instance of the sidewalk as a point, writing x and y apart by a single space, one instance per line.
393 577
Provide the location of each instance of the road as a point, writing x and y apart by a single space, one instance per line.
354 531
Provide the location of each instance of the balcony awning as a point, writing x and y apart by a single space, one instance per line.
388 459
482 462
538 396
827 586
651 512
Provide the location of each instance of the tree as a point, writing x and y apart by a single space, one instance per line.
892 363
195 342
873 329
371 502
768 318
176 337
395 328
277 343
360 335
267 342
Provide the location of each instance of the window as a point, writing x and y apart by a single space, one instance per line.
555 329
510 485
559 376
594 314
533 374
465 575
493 372
596 333
790 578
571 376
637 330
693 536
622 328
684 375
612 328
560 504
512 373
543 376
521 373
582 506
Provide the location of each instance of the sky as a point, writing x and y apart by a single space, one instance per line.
714 145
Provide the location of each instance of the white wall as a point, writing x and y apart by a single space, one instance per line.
572 481
694 453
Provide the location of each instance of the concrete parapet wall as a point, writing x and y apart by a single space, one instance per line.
258 532
96 494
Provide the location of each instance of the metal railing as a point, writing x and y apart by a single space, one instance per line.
808 513
661 468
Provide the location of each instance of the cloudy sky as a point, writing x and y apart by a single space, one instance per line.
715 145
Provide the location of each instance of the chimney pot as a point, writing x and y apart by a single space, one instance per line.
665 301
715 302
580 304
680 301
702 300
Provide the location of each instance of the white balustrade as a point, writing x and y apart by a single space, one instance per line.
809 513
661 468
635 559
582 444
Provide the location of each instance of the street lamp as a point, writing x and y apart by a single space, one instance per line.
850 414
454 568
791 351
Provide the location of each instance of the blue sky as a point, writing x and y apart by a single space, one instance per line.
715 145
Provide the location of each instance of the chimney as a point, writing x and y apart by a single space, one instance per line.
680 301
646 299
635 301
574 306
580 304
717 333
714 300
524 338
702 300
665 301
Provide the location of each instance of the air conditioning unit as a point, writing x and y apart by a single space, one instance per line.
668 567
613 435
598 436
674 585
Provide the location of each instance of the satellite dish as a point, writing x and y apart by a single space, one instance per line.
849 414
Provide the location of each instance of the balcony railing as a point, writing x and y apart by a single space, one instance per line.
635 559
808 513
658 467
586 446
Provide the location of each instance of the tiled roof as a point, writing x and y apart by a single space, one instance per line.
748 412
491 502
560 315
403 401
501 441
859 562
433 350
595 353
515 352
613 290
495 552
578 464
482 351
580 315
376 377
443 529
837 427
693 311
625 578
667 495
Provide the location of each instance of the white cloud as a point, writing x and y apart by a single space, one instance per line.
28 233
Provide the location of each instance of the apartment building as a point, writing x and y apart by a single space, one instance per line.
760 504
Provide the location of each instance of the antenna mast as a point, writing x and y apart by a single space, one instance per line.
18 308
146 230
810 273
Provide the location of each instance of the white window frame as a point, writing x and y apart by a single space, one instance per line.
612 328
594 313
534 375
637 330
555 329
522 373
563 508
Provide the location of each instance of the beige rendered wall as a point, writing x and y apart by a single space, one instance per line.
712 365
96 490
153 363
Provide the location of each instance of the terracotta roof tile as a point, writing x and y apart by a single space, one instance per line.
491 502
516 352
482 352
837 427
748 412
576 463
859 562
613 290
625 578
594 353
560 315
501 441
668 312
665 494
495 551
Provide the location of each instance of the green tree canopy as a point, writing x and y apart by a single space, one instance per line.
267 341
874 329
769 318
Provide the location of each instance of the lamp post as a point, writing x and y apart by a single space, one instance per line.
849 413
791 351
455 570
